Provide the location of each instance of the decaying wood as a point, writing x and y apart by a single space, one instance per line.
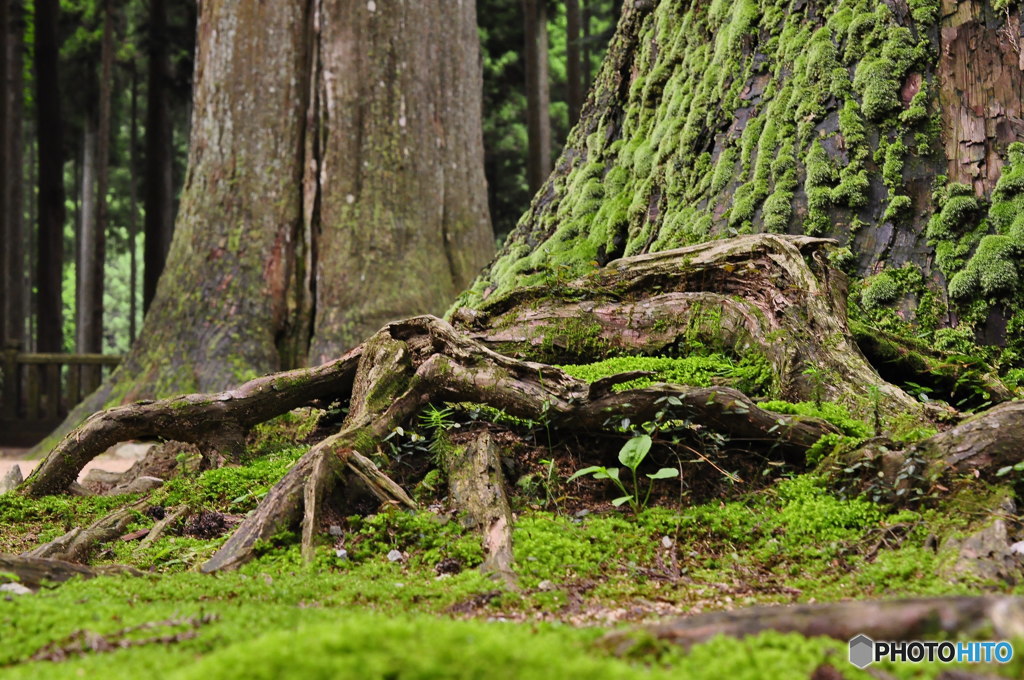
477 488
880 620
75 545
34 572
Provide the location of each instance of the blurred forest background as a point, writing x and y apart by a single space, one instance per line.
95 119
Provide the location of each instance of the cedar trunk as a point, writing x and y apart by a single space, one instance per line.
361 151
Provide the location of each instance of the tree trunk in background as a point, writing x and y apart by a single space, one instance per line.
86 274
574 66
94 336
133 210
350 192
12 260
159 185
50 255
538 96
587 67
832 118
400 189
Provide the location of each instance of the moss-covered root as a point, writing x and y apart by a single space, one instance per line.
75 545
412 362
768 294
911 619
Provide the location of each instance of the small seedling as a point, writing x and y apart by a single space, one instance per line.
631 455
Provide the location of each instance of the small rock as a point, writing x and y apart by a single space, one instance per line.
395 556
582 513
15 589
11 480
142 485
341 554
666 542
545 585
1017 548
334 530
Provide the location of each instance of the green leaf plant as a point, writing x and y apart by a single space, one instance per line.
631 455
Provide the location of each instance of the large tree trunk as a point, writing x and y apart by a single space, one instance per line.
12 262
50 244
708 120
363 149
573 58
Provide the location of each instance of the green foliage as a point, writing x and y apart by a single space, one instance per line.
631 455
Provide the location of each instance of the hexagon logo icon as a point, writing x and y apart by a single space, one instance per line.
862 651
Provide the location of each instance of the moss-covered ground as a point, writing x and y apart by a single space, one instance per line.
583 568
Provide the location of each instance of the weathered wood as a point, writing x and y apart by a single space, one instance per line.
34 572
477 488
68 359
171 517
981 444
878 619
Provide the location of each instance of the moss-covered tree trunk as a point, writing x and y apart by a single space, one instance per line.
889 126
335 183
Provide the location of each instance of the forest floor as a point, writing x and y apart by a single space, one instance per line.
398 593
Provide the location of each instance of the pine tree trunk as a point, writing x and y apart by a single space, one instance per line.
88 275
50 245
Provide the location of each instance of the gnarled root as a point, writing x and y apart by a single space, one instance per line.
34 572
409 363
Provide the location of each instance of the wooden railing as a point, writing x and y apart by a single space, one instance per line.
40 389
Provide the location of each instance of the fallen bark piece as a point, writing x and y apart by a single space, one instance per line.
171 517
34 572
910 619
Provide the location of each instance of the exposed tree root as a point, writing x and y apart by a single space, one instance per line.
409 363
34 572
981 444
880 620
767 293
214 421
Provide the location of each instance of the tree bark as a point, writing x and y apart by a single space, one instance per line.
89 269
703 124
50 245
159 186
538 97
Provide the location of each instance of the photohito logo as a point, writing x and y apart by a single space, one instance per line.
864 651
